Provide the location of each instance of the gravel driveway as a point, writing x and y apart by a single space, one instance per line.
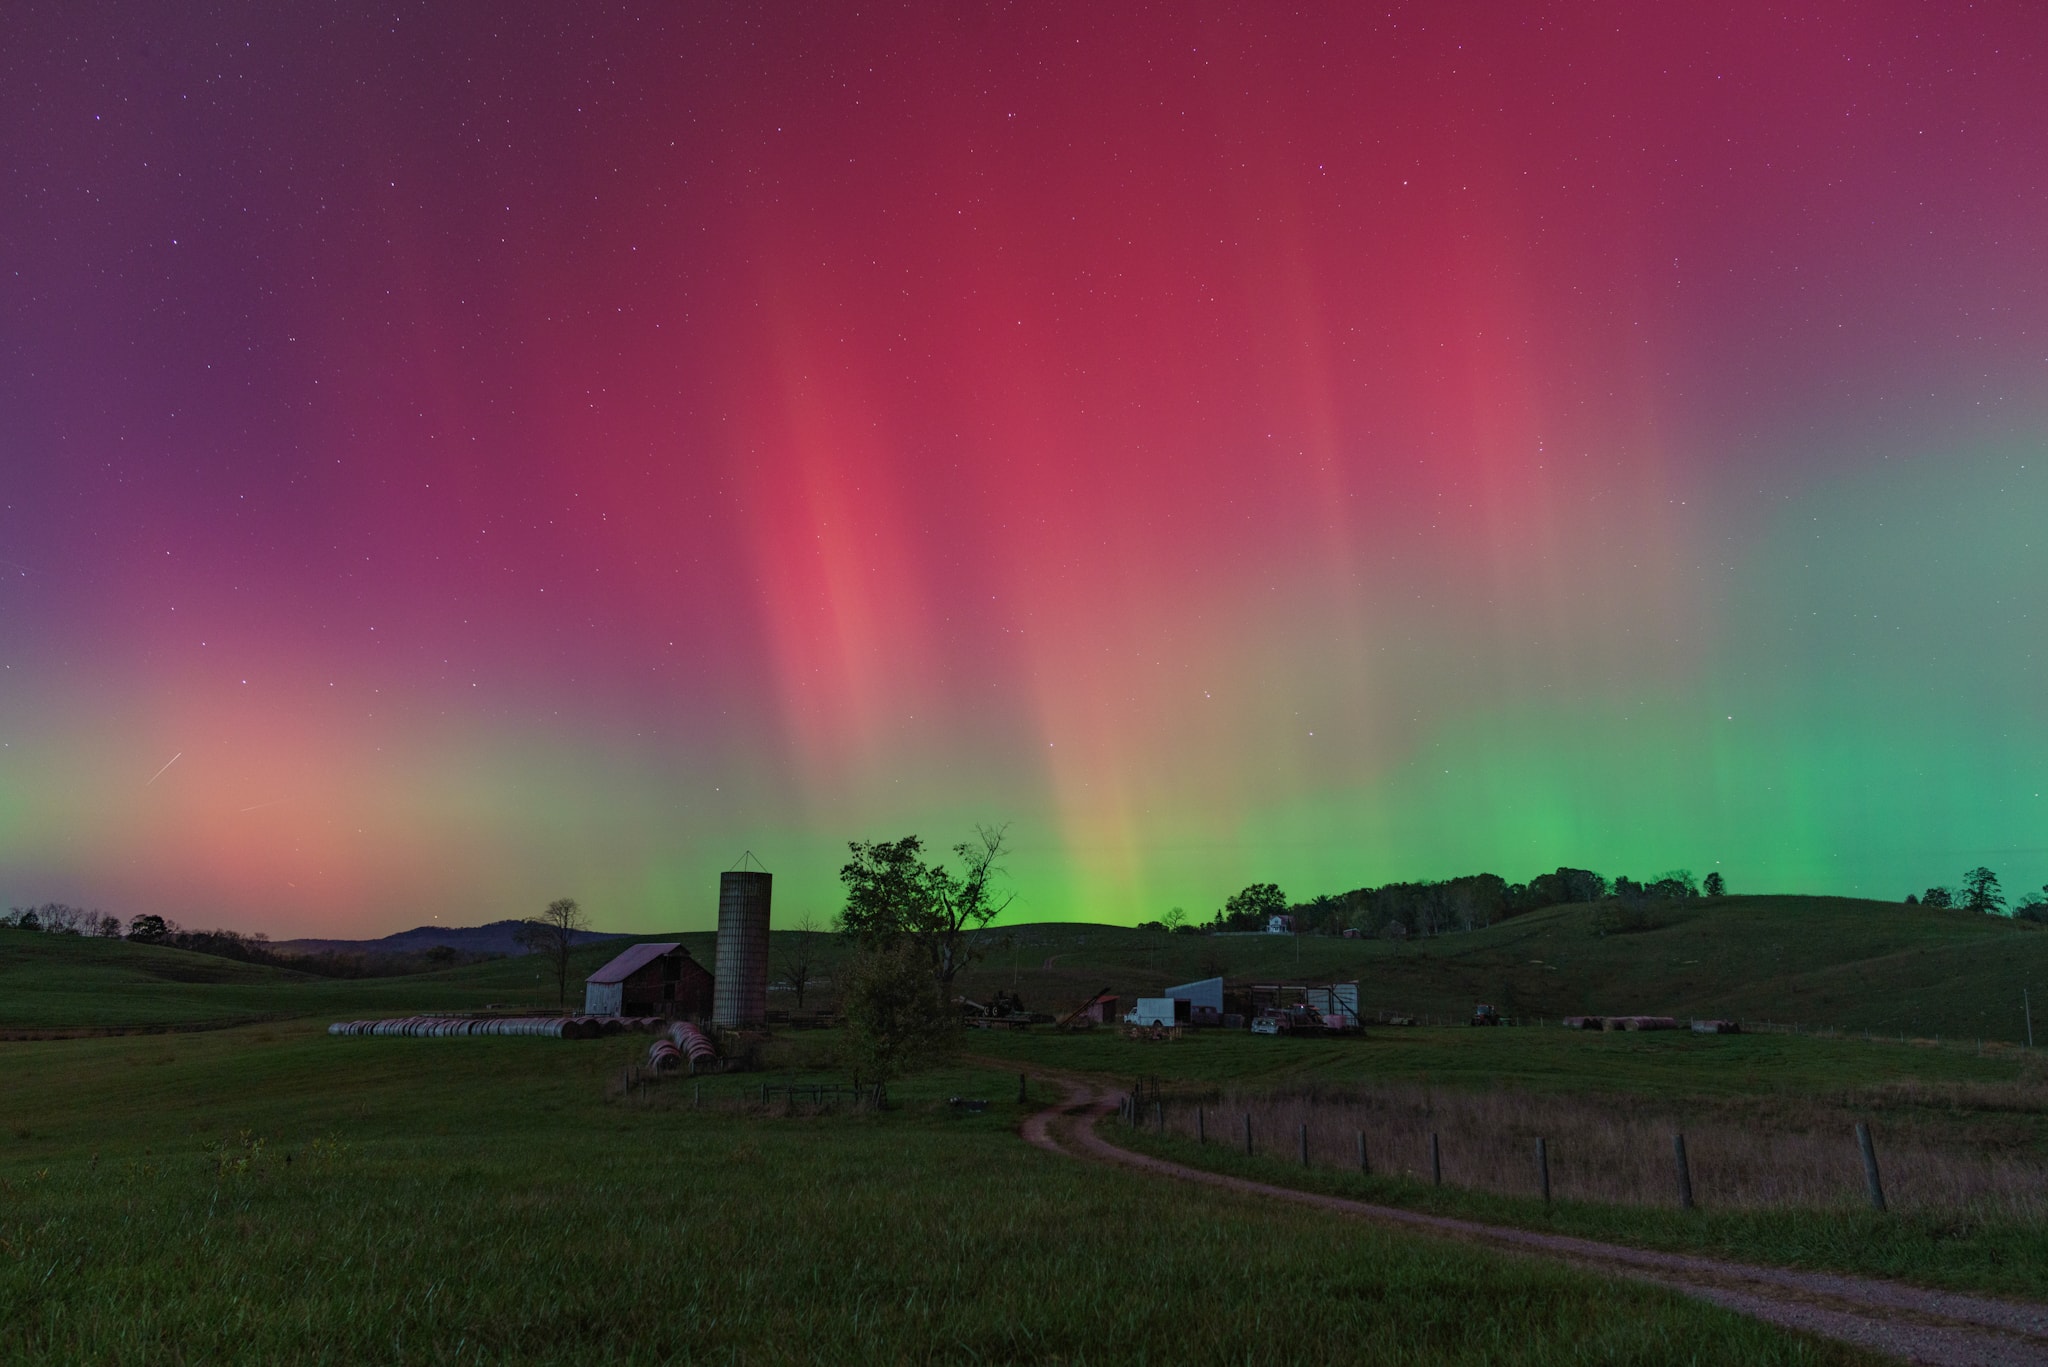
1908 1322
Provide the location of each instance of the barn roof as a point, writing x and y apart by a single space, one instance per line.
632 961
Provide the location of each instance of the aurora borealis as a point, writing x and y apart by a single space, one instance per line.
549 454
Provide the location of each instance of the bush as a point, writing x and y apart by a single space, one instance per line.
896 1018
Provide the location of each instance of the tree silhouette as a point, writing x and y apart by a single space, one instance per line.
1981 892
893 896
1715 885
554 933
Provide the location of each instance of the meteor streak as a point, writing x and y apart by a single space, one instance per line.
167 764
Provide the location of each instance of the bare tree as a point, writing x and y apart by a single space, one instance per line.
61 918
796 956
554 933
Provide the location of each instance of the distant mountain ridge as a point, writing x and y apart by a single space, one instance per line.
498 937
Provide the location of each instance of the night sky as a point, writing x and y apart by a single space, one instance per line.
500 458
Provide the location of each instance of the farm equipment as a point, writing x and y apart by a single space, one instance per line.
1005 1011
1483 1014
1099 1009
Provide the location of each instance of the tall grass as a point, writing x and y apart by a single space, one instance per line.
237 1198
1616 1150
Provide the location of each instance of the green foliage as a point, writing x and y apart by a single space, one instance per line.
149 929
1251 909
892 895
1715 885
896 1018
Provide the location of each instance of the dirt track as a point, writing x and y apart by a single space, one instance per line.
1909 1322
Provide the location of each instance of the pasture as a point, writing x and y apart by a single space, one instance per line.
270 1193
265 1192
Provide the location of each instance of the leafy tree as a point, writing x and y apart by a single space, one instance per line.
1253 908
892 895
2034 906
108 928
1912 899
149 929
1981 891
1936 897
1715 885
553 933
896 1014
1565 885
1675 886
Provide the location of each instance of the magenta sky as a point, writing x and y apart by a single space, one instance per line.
550 454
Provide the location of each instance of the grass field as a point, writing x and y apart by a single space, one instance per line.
1813 961
269 1193
1491 1092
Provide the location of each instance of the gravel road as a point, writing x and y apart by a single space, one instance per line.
1908 1322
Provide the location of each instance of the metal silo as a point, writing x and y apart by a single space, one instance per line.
739 994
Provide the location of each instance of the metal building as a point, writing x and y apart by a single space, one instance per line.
740 997
1204 998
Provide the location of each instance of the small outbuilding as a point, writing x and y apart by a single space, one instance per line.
649 980
1202 1001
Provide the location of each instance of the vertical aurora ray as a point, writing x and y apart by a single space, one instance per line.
1325 448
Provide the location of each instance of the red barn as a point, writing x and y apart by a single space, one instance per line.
649 980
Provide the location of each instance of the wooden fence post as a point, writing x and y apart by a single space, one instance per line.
1159 1116
1543 1169
1436 1161
1363 1166
1023 1088
1870 1165
1304 1143
1247 1134
1201 1131
1684 1172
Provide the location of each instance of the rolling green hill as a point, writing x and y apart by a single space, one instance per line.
1814 961
67 982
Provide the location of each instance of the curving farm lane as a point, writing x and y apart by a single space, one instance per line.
1941 1328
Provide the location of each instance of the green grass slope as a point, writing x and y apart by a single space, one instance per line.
71 982
51 981
1814 961
277 1195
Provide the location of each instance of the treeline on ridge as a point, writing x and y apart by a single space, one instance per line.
60 918
1399 910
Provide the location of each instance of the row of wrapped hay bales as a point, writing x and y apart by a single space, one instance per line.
1622 1023
549 1027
